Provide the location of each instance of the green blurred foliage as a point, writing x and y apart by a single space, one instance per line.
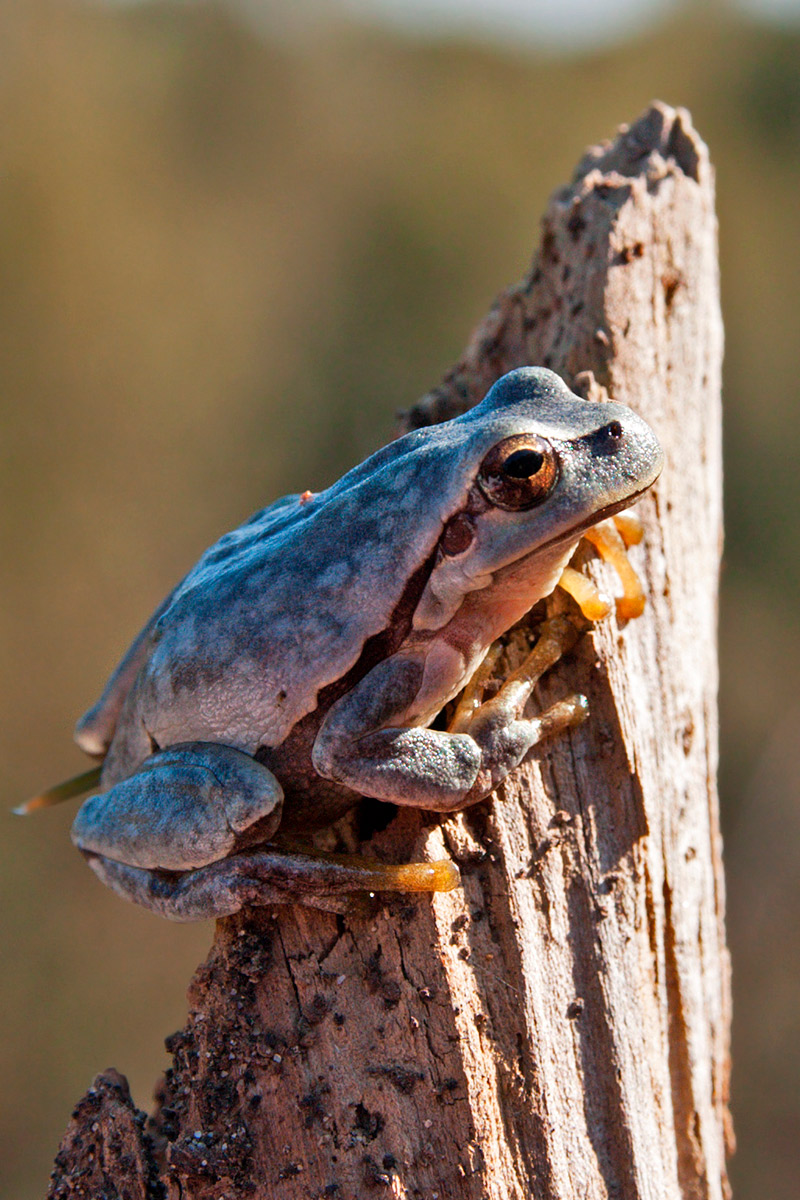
225 263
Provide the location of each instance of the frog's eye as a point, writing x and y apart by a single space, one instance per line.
519 472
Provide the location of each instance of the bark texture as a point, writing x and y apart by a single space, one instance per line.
559 1027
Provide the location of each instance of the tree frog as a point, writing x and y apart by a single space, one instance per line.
299 665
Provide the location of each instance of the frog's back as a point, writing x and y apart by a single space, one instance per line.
96 728
278 610
282 606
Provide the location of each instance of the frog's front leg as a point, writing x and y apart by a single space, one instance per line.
363 743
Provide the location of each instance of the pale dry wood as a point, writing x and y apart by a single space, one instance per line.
559 1028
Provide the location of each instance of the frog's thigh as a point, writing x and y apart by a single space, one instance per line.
185 808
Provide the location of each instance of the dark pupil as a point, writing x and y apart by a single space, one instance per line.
522 464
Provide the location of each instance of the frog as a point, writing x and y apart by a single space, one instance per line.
301 664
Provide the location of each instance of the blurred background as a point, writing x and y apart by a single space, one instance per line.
234 240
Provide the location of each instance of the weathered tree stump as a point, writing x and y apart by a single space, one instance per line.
559 1027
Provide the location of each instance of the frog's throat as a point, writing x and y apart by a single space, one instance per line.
445 592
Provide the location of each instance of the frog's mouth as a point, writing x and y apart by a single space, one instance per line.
602 514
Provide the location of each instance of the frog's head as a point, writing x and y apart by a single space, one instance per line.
540 466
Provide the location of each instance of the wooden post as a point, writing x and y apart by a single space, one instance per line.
559 1027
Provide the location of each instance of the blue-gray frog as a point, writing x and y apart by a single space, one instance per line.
299 665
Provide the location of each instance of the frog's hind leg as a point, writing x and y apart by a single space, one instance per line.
264 877
186 837
187 806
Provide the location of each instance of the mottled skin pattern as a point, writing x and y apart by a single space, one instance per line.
310 649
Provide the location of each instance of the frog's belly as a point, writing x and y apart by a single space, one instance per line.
310 801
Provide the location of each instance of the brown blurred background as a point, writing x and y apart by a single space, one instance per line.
228 254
